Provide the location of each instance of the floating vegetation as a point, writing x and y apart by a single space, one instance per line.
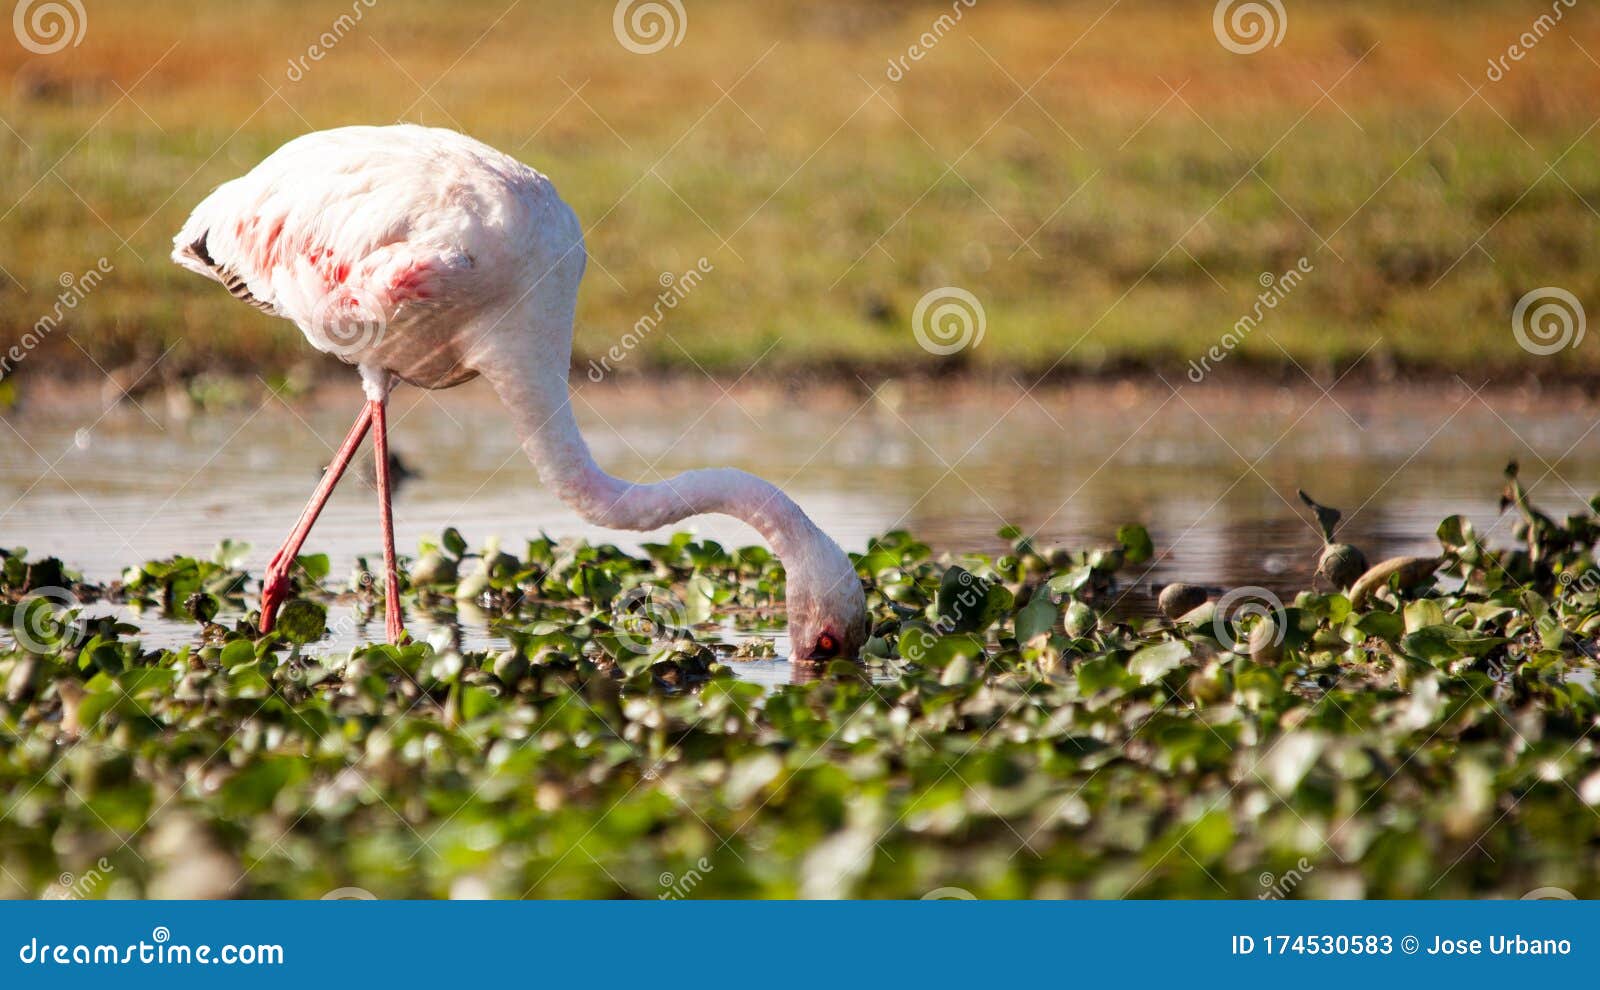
1010 730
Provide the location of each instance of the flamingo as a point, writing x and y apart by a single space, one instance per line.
423 256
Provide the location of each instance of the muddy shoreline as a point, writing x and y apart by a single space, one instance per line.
1225 386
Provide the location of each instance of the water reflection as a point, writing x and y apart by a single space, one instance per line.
1210 469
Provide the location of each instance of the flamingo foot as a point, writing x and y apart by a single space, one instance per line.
274 591
275 583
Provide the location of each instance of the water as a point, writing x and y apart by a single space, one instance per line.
1210 469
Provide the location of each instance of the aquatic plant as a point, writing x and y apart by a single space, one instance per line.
1013 729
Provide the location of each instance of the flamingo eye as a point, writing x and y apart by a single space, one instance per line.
827 647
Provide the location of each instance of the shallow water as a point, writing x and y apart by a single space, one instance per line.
1210 469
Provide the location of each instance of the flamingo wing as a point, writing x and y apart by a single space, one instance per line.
361 225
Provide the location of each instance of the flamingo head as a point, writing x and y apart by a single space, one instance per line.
827 608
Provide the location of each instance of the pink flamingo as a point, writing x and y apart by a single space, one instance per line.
420 255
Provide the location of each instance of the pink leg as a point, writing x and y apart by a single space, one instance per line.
275 584
393 621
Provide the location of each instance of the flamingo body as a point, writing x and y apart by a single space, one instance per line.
424 256
387 246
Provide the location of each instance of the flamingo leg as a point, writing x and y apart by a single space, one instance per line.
275 583
394 622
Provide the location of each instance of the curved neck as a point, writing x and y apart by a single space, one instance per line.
542 409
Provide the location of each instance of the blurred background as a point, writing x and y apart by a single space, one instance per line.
1059 264
1109 180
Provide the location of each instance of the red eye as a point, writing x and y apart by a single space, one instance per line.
827 646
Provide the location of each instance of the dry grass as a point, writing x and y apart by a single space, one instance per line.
1121 211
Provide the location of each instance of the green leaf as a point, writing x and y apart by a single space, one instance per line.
238 653
1152 663
1136 544
303 621
1036 618
1446 642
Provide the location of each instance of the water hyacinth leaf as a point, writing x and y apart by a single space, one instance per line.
248 681
238 653
1037 618
312 568
937 652
142 681
969 603
1423 612
1441 643
1104 745
1137 546
1456 532
1071 580
700 600
453 542
302 621
1384 625
230 554
251 791
1152 663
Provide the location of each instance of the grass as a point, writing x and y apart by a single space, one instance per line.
1424 731
1110 188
